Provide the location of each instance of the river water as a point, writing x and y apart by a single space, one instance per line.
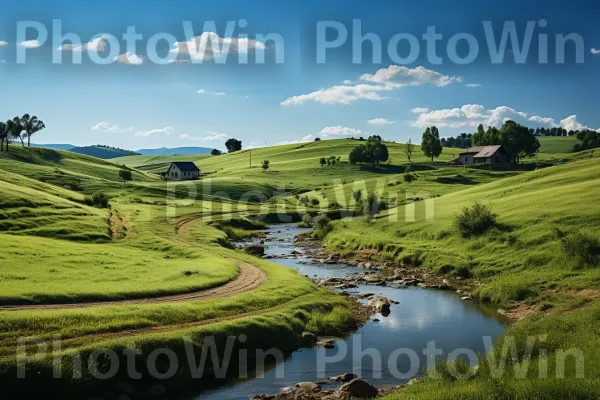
385 353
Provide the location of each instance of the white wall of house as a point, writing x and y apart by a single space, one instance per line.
467 159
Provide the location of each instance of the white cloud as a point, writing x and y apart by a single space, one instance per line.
98 44
2 61
571 124
469 115
212 136
379 121
108 127
210 45
385 79
201 91
542 120
129 59
340 131
347 82
305 139
399 76
595 51
339 95
419 110
31 44
473 85
162 131
3 43
220 94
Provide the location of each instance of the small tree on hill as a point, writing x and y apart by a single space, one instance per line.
323 161
431 144
266 165
4 132
409 150
233 145
125 175
357 195
216 152
31 125
16 128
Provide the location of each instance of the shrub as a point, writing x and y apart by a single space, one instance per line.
335 205
98 199
370 206
322 226
307 221
581 250
304 200
314 202
357 195
409 178
475 220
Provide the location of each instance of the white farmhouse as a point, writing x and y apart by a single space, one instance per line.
183 171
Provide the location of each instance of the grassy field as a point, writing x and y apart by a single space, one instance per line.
541 259
157 238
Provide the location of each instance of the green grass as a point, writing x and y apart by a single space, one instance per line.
557 144
55 248
525 252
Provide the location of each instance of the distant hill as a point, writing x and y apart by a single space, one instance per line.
65 147
103 152
164 151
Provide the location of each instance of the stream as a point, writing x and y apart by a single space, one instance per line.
421 317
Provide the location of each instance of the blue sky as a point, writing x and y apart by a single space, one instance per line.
134 103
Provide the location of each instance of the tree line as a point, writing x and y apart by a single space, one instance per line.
20 128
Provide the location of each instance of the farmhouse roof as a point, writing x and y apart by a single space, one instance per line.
473 150
488 151
186 166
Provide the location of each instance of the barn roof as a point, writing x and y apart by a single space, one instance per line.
474 150
488 151
186 166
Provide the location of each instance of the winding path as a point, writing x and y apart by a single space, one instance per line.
250 277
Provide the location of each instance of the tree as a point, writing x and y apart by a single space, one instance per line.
357 195
233 145
317 139
125 175
322 161
4 132
31 125
358 155
16 128
374 151
431 144
409 150
216 152
518 140
265 165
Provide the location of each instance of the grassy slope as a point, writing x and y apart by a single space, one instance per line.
146 258
522 263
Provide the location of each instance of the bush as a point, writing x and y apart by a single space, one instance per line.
314 202
409 178
98 199
370 206
475 220
307 221
581 250
322 226
335 205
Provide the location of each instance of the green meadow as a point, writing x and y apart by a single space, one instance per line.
156 238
